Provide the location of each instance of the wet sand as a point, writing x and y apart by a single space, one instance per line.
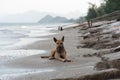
35 68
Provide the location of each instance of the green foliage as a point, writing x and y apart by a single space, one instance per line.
106 7
112 5
101 10
91 12
81 19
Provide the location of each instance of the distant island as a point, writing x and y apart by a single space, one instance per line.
50 19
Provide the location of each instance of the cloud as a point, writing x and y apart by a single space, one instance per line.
56 6
20 10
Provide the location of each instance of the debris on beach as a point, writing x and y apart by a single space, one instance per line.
100 75
102 65
105 38
101 37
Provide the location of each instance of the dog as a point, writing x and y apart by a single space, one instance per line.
59 53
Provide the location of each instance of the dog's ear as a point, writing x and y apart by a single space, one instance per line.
62 39
54 39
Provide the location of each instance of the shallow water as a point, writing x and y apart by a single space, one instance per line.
14 35
7 55
5 73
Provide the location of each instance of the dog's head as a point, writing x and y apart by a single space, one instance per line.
59 42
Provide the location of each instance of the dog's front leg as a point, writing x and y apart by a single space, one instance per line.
65 56
57 56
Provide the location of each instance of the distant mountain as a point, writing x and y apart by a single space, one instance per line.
26 17
35 16
57 19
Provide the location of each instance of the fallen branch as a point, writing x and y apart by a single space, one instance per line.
100 75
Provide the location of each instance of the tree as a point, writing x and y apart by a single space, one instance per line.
101 10
112 5
91 12
107 6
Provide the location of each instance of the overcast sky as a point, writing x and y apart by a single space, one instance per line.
56 6
69 8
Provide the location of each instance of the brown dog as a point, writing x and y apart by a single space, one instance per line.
59 53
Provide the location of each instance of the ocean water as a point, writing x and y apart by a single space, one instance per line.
18 34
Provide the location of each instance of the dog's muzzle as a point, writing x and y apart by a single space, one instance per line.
59 49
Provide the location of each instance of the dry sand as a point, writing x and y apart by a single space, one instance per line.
52 68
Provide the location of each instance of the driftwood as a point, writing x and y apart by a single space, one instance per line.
117 49
98 39
116 35
100 75
103 52
108 64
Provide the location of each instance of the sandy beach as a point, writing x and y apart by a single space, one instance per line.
59 39
32 67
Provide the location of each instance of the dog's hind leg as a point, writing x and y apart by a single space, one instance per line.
44 56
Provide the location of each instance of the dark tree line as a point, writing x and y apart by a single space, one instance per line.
107 6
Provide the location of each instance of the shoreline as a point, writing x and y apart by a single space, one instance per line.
52 68
62 69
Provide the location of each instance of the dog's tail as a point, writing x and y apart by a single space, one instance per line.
45 56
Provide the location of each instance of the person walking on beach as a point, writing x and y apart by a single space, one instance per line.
60 28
